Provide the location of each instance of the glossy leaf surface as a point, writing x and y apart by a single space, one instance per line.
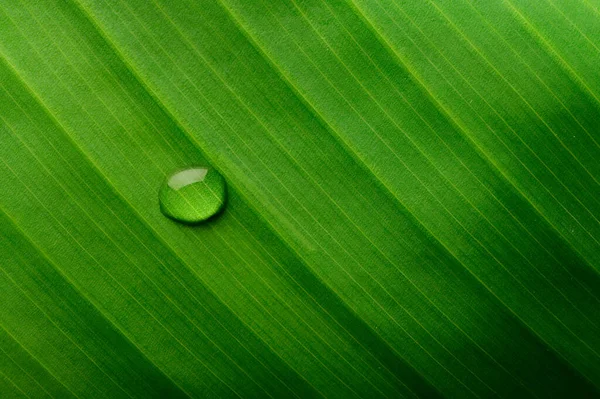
413 198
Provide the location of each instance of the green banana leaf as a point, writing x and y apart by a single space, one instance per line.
413 200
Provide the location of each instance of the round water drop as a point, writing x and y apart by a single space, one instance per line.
193 195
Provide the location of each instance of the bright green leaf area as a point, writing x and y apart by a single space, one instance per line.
413 198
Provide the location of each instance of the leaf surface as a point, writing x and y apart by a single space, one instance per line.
413 197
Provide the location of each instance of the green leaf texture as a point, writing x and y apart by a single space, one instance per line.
413 207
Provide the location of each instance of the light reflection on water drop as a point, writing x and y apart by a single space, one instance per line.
193 195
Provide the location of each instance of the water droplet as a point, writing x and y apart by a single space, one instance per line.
193 195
